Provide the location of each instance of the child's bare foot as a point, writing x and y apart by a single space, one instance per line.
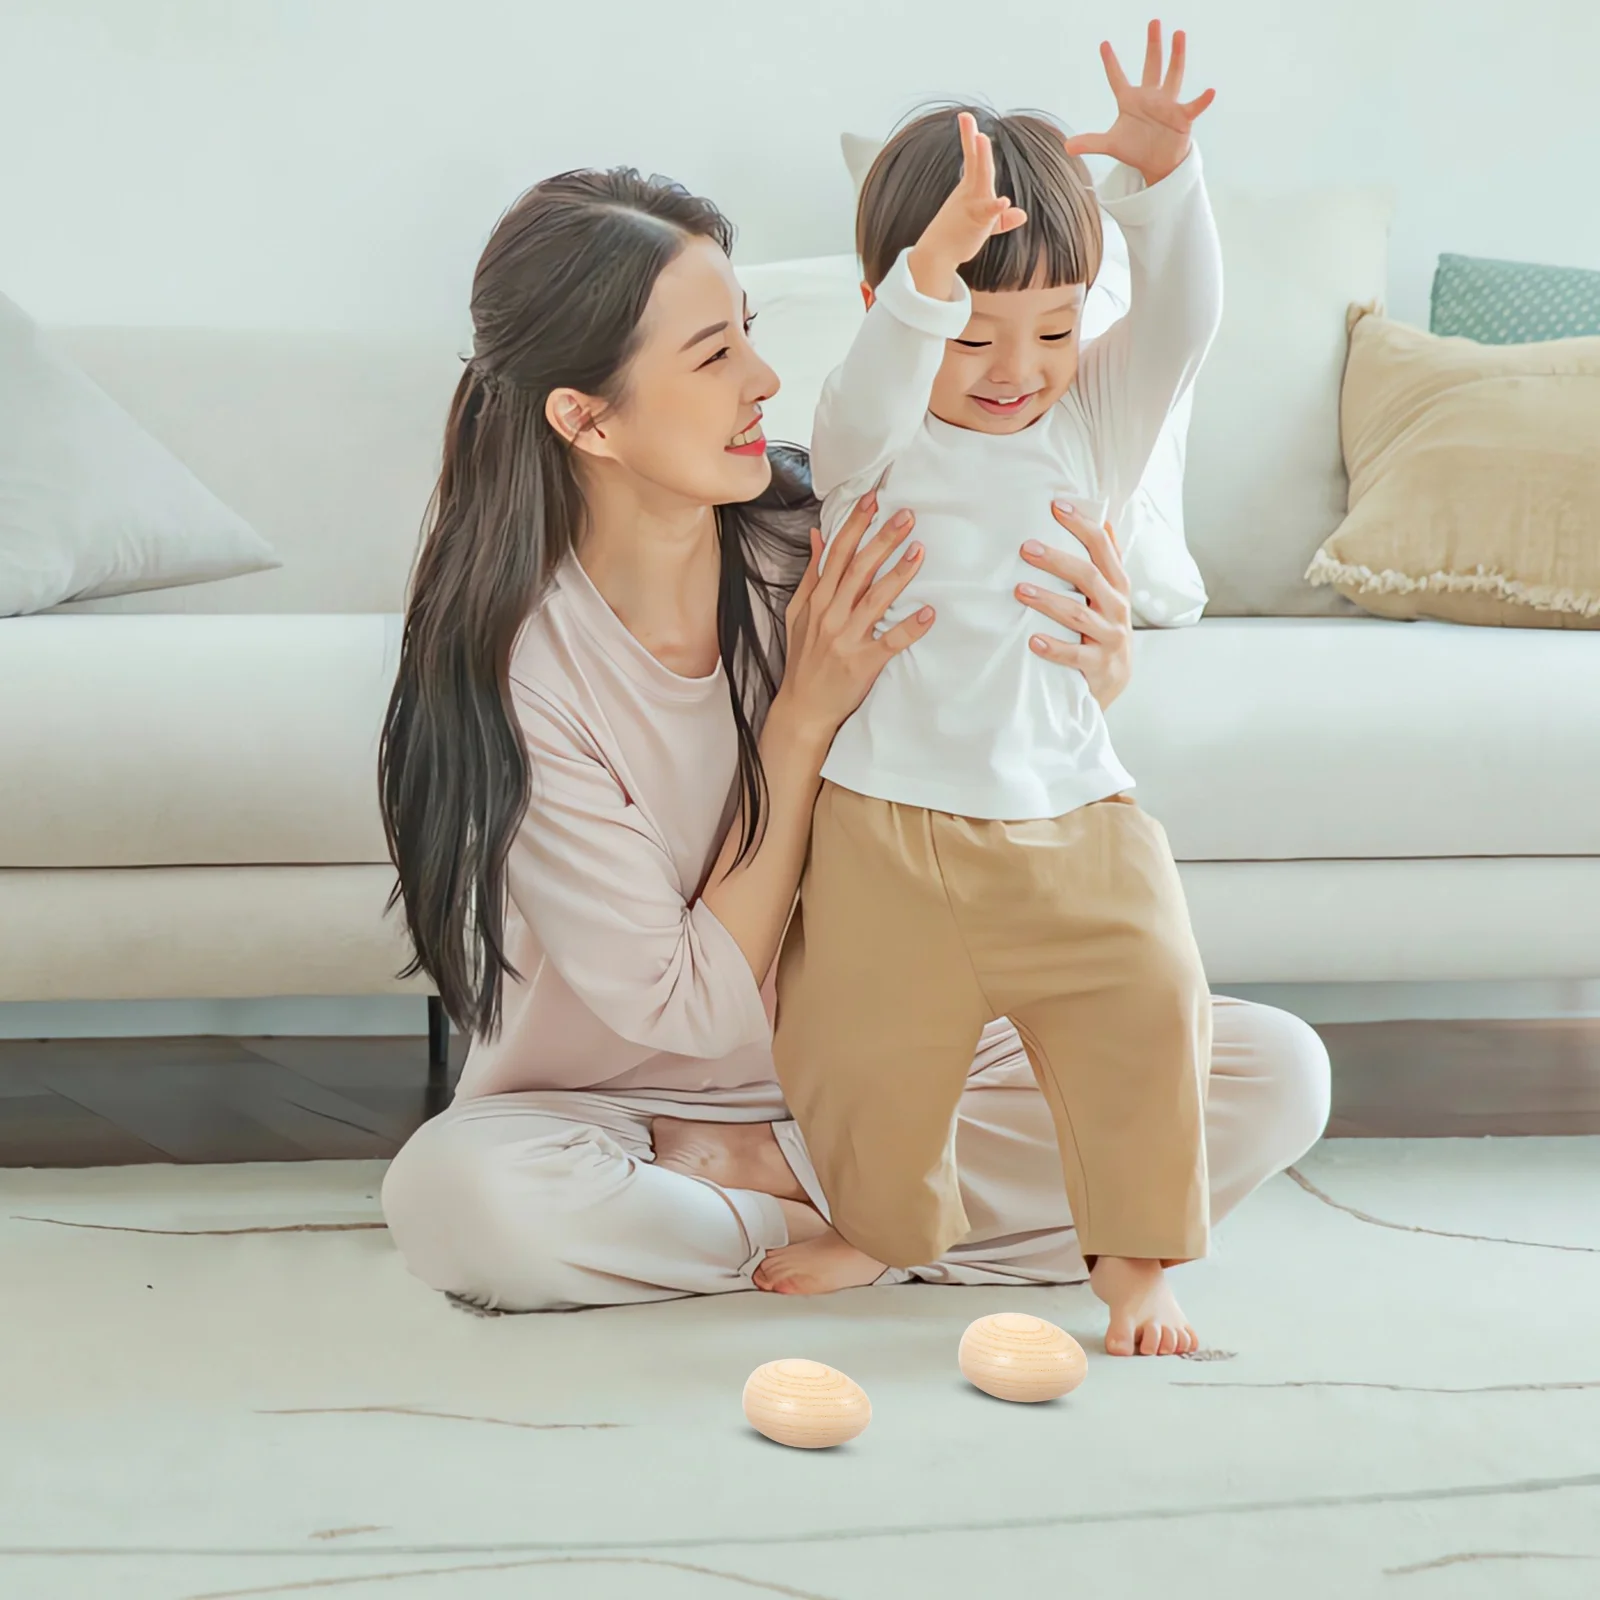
733 1155
818 1264
1145 1316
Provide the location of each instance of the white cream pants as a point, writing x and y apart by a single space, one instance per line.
549 1201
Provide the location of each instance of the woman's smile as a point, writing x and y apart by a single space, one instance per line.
751 442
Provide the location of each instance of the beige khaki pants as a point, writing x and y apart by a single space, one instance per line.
550 1200
914 931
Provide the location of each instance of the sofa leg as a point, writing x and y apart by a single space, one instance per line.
438 1052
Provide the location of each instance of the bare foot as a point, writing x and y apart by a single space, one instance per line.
818 1265
1145 1316
733 1155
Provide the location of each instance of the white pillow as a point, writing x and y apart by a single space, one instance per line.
90 504
1266 477
1168 590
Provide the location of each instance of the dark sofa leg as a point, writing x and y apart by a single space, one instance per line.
438 1052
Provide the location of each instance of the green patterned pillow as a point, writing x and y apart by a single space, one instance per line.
1513 302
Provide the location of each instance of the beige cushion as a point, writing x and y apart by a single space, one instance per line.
1474 479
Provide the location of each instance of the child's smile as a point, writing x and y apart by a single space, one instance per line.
1016 357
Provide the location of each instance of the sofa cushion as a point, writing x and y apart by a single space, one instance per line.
328 443
91 504
1512 302
1265 483
1256 739
1474 479
192 740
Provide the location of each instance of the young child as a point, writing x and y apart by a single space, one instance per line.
974 853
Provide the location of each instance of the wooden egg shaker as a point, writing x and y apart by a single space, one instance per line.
1018 1357
805 1404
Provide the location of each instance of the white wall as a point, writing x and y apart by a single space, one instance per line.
339 162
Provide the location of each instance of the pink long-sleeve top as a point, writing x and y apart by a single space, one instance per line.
628 980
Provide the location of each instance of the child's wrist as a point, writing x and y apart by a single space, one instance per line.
1154 175
933 273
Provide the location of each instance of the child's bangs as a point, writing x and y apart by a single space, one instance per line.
1030 258
1060 242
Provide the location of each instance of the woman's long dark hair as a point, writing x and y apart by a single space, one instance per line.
556 303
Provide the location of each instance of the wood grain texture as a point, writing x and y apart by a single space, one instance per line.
116 1102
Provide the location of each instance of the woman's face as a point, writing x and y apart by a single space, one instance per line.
689 420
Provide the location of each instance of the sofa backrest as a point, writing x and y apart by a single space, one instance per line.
328 444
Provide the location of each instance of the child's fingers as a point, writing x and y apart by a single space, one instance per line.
986 163
1088 144
1114 73
1173 81
1152 56
967 126
1010 218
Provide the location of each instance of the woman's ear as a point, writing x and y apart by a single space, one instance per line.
572 416
866 296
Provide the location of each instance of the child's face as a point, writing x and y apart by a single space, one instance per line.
1015 358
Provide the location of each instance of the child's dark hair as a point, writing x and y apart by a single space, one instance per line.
916 170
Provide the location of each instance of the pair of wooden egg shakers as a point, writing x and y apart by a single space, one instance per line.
1011 1356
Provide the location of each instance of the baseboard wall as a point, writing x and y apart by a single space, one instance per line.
406 1015
1447 1002
331 1016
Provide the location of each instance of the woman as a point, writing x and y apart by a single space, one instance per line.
620 674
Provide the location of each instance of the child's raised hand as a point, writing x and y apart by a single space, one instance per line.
970 214
1151 133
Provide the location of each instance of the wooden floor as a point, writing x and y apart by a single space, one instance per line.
79 1103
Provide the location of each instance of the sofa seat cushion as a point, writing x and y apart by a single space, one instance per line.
1267 739
252 740
135 741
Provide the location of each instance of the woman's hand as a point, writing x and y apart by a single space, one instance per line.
834 653
1151 133
1100 613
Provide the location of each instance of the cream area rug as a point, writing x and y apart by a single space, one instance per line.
222 1382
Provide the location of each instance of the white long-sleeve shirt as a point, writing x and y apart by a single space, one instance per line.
970 720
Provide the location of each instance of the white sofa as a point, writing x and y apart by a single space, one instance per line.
187 796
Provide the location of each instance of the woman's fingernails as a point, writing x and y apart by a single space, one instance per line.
1026 590
1040 647
1033 548
870 503
1065 507
914 553
901 519
925 614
